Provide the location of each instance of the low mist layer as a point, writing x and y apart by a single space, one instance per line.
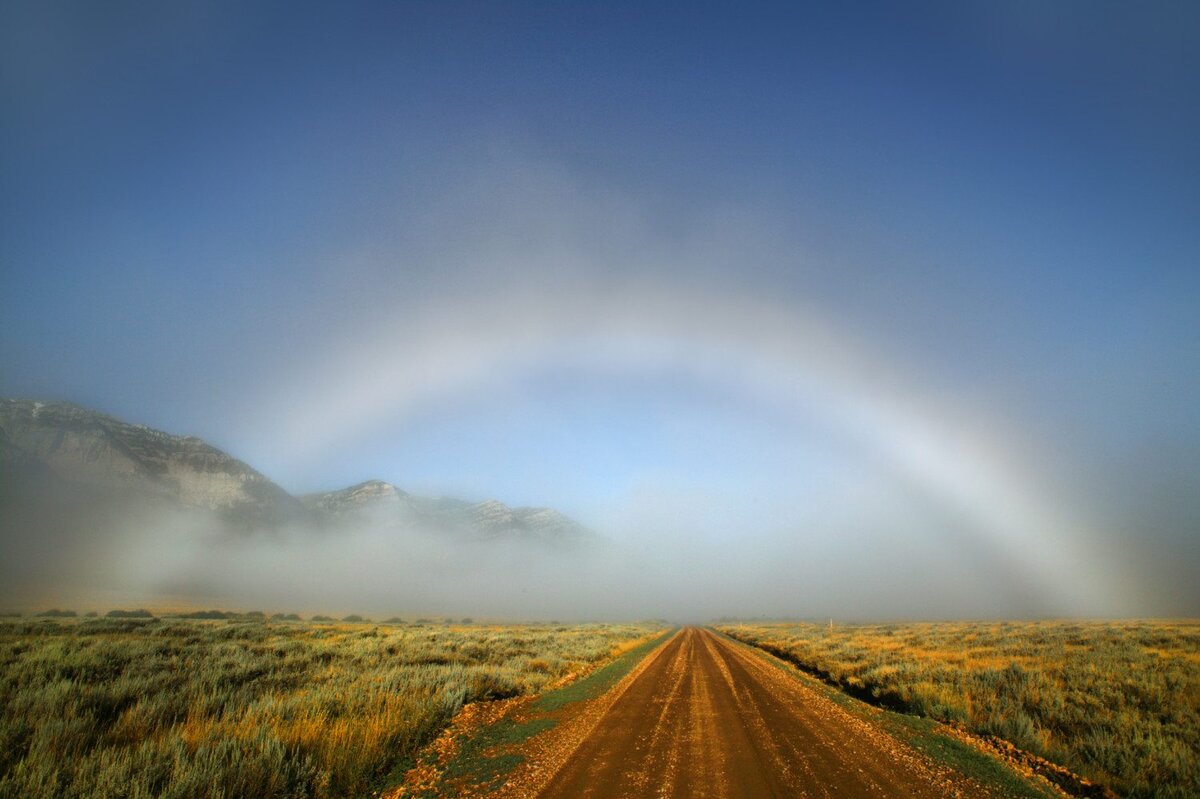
108 557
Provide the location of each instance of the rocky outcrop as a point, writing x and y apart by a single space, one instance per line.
489 520
495 519
361 497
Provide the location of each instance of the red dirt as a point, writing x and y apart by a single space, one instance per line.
703 717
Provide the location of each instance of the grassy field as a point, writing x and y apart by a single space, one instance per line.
135 707
1118 702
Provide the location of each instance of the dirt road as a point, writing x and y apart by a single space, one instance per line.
706 717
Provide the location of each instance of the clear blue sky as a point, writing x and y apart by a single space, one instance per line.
209 207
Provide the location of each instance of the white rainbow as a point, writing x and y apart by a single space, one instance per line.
791 357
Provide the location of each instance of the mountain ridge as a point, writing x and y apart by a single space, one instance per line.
42 442
489 518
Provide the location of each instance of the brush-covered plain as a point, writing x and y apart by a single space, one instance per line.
1116 702
235 707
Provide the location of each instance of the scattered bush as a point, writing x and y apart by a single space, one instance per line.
129 614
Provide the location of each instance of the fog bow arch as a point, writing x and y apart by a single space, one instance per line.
793 358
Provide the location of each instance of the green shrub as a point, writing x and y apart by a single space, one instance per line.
129 614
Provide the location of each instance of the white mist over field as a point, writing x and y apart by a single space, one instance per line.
183 562
793 332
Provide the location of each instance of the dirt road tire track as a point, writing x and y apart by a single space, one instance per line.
707 718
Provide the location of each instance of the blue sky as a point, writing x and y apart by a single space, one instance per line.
231 220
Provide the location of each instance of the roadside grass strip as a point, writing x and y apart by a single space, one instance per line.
485 758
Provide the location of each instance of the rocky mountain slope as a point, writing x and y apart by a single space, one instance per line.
491 519
93 450
45 446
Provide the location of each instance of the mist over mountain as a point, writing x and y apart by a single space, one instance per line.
53 444
490 519
81 491
96 512
91 450
807 310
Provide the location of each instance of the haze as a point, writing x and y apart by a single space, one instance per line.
862 313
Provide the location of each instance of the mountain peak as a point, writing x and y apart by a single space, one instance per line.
360 496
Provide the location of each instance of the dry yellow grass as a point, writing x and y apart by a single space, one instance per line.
235 708
1118 702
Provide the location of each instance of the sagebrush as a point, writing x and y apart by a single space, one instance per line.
236 708
1118 702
